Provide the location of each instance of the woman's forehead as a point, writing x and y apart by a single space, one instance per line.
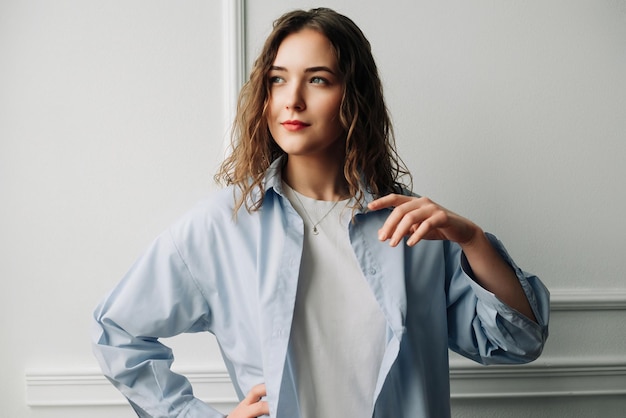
306 47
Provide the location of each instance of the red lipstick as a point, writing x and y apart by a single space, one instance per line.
294 125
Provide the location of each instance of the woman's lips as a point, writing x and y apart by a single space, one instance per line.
294 125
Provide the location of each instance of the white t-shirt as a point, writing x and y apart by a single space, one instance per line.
338 332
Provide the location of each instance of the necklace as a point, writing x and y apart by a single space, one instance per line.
315 224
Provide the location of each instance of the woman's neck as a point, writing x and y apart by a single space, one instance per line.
318 179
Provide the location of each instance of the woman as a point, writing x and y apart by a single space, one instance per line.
296 266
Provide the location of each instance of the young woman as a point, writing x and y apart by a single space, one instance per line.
332 290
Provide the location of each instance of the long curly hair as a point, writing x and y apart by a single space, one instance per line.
371 158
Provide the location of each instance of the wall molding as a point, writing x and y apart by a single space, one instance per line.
87 387
598 377
587 299
467 381
234 50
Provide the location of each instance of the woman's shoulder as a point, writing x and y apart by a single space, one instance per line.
217 202
216 208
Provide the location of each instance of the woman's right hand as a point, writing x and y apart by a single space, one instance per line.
252 406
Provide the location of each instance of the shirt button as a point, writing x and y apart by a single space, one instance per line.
372 271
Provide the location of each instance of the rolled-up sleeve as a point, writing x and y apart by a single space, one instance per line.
485 329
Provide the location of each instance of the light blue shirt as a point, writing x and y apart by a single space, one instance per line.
238 278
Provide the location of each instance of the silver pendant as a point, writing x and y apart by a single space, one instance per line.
315 231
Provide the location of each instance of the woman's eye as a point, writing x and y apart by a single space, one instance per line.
276 79
319 80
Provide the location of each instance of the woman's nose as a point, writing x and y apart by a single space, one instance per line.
295 99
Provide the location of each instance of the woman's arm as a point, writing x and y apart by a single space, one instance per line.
157 298
421 218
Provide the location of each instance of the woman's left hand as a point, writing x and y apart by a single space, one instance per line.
421 218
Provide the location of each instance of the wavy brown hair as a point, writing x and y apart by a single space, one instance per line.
371 159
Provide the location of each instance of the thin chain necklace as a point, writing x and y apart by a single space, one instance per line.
315 224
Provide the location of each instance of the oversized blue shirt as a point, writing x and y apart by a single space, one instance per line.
237 278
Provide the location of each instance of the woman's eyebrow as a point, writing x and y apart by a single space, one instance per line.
318 69
307 70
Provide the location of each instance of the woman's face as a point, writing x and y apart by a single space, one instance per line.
305 97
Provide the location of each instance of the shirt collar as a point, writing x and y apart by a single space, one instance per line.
274 176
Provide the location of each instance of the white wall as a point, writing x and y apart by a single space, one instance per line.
111 124
112 119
